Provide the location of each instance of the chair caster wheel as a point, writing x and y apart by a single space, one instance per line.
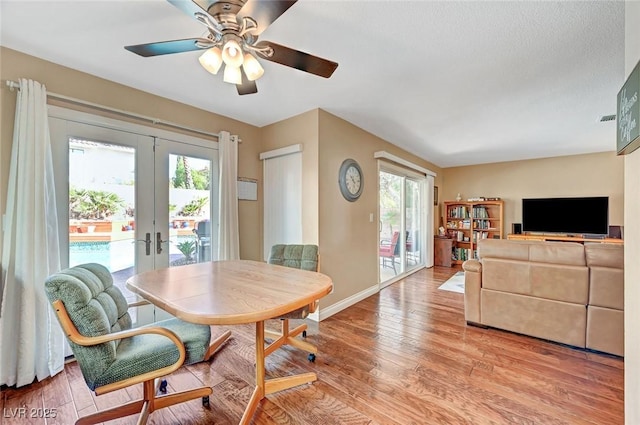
304 334
205 401
311 357
163 386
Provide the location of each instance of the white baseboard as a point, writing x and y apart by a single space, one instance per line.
321 314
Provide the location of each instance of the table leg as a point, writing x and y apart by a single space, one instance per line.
258 392
268 386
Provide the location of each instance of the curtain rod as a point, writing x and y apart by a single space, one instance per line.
13 85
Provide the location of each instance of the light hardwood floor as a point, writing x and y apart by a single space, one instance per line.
403 356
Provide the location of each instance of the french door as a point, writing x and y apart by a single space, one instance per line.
133 202
402 228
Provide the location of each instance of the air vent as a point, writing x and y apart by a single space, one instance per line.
606 118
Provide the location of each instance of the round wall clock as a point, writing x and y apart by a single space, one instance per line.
350 180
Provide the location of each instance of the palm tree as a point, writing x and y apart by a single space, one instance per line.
183 177
188 178
93 204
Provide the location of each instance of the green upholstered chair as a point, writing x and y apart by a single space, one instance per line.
303 257
112 355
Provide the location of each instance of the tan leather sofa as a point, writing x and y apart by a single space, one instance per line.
560 291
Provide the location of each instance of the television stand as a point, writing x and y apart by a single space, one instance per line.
562 238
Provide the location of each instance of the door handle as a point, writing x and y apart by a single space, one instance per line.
159 243
147 242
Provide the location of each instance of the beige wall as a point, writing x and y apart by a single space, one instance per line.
348 240
68 82
598 174
632 238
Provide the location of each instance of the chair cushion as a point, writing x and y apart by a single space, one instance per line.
303 257
146 353
97 307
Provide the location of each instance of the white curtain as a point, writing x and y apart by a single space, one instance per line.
229 239
32 341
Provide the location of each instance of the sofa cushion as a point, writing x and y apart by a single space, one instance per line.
506 275
604 255
547 319
559 282
502 248
551 281
557 253
605 330
607 287
606 262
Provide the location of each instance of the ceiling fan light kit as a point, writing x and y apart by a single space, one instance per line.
211 60
233 40
232 54
232 74
252 67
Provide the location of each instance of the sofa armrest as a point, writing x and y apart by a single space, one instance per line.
472 284
472 266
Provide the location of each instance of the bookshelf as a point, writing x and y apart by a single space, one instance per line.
468 222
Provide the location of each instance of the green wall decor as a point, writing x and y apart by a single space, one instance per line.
628 114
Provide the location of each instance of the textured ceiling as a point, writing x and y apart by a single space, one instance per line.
456 83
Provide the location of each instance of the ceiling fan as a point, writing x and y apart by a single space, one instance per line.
232 40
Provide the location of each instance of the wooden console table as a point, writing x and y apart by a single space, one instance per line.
561 238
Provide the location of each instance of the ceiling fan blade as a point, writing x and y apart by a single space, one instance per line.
299 60
265 12
247 87
166 47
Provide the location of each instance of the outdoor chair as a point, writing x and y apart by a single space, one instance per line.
202 231
303 257
388 251
413 246
111 355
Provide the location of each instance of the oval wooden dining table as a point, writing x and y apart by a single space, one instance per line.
235 292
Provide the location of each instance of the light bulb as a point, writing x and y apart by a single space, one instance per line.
232 54
232 75
252 67
211 60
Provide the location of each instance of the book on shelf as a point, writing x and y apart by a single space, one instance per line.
459 224
480 235
480 212
463 254
481 224
460 211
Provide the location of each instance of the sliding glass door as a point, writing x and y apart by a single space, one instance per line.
401 212
413 222
391 225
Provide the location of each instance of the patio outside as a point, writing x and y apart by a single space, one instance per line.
102 218
394 209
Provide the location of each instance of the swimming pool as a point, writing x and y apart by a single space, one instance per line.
114 255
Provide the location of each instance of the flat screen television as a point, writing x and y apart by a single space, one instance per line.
583 215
